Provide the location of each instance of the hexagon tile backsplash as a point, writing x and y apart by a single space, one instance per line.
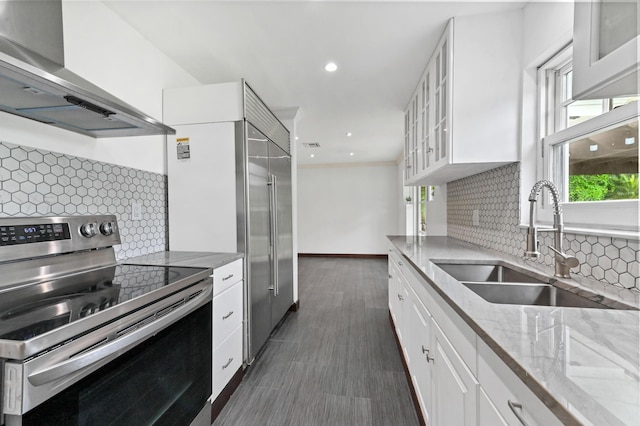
34 182
496 194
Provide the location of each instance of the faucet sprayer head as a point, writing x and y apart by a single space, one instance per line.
532 243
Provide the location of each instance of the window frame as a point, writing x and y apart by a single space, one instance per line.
594 216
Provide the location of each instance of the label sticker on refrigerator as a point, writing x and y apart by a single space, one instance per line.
184 152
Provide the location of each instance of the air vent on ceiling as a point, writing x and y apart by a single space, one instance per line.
311 145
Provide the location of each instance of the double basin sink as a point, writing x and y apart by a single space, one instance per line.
500 283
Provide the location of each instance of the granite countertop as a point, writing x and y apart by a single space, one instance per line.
194 259
583 363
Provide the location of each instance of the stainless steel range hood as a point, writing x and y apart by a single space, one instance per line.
34 83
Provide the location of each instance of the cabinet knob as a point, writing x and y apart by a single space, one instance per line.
400 297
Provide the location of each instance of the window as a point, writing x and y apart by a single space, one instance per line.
590 151
422 210
416 219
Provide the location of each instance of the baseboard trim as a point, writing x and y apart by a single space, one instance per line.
226 393
414 397
343 255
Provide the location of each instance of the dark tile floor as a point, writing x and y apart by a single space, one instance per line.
335 361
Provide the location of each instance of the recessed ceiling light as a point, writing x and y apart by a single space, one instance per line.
312 155
297 138
351 154
349 134
331 67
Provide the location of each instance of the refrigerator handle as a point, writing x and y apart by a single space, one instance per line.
273 193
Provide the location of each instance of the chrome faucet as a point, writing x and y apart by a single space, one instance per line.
563 261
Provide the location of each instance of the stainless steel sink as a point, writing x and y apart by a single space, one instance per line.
496 282
530 294
489 272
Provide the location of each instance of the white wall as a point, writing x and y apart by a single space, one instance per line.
347 210
102 48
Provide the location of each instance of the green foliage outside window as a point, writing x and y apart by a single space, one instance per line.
603 187
423 212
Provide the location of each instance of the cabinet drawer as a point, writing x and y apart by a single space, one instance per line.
226 276
227 359
395 256
502 386
227 313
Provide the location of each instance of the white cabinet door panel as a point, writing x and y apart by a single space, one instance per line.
419 342
488 414
454 388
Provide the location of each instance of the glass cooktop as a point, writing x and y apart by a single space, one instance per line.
31 310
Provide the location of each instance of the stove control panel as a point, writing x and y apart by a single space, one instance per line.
33 233
26 237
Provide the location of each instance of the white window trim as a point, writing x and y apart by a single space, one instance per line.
616 218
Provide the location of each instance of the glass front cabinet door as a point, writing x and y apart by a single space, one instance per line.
606 56
462 118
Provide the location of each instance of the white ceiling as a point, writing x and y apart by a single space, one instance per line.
281 48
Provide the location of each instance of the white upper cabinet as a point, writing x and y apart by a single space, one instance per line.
606 56
463 116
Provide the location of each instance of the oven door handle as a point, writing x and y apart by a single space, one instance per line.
101 355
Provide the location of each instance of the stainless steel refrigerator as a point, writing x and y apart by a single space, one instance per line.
268 234
229 190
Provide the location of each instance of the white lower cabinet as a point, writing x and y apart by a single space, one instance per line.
227 313
227 324
454 387
444 386
227 359
398 295
419 342
393 290
457 378
509 397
